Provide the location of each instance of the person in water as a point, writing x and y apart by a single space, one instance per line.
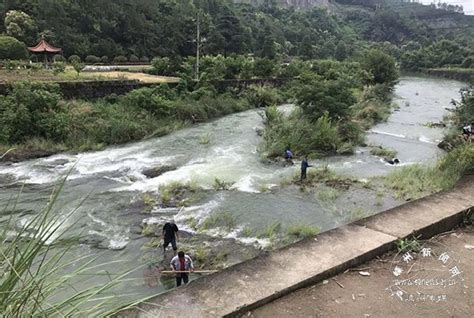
182 263
393 161
289 156
304 167
467 130
170 235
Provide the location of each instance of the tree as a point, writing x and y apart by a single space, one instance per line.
78 66
317 97
381 66
12 49
19 25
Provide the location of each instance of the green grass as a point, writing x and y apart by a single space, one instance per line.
205 139
221 185
413 182
328 195
301 231
357 214
271 232
225 220
380 151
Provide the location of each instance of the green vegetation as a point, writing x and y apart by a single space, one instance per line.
409 245
11 48
37 111
383 152
329 118
413 182
271 232
36 276
225 220
220 185
328 194
301 231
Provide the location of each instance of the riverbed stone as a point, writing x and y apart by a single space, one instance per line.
157 171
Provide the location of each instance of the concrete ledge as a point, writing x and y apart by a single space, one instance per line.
256 282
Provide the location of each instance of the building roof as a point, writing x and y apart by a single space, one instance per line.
44 46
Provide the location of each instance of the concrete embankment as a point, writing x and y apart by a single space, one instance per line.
251 284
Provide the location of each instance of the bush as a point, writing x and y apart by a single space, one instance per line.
120 59
59 67
59 58
144 59
32 110
104 59
381 66
468 62
12 49
317 97
134 59
150 100
262 96
74 59
161 66
92 59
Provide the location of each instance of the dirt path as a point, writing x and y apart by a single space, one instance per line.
427 287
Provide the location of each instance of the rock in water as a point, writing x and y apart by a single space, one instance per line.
157 171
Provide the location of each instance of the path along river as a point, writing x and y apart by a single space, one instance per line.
111 180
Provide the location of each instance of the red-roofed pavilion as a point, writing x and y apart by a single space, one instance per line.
45 48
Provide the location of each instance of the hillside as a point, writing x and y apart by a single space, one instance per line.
143 29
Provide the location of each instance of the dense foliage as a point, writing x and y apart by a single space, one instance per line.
11 48
36 111
135 30
330 118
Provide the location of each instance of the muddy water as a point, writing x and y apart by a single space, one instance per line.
105 185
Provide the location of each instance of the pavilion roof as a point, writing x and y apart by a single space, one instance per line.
44 46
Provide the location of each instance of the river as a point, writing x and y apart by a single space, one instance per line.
104 186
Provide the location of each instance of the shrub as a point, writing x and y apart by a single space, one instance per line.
468 62
144 59
32 110
104 59
161 65
59 67
262 96
74 59
148 99
59 58
381 66
120 59
92 59
12 49
134 59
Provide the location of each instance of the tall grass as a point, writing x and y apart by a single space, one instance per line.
413 182
36 278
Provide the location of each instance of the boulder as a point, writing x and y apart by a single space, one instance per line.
157 171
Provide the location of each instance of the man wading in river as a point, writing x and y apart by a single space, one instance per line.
170 235
182 263
304 166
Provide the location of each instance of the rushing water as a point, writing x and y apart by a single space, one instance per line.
103 185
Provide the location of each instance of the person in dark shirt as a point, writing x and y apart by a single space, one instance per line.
170 235
304 166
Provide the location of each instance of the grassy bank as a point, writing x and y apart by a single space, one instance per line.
416 181
35 121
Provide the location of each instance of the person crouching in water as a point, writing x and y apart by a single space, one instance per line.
180 263
289 156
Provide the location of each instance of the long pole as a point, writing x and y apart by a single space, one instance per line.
198 46
196 272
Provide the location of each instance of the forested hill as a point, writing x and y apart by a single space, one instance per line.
149 28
